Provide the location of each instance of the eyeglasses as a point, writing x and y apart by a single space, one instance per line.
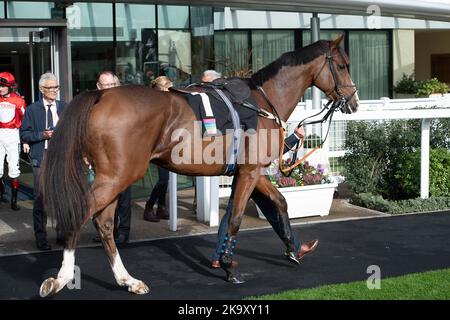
51 88
107 85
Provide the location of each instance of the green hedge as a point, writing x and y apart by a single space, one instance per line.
376 202
408 173
382 158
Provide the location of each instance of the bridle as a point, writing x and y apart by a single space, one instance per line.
340 104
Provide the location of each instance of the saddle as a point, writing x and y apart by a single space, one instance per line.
213 111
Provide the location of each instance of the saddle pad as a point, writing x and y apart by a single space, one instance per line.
223 121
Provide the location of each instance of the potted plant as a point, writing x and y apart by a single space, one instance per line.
430 87
308 190
406 87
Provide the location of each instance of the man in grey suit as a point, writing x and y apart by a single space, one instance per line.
37 128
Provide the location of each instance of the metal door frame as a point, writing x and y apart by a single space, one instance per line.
59 48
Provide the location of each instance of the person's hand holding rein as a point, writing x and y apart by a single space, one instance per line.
299 132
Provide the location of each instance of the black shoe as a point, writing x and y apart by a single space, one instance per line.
194 206
162 212
44 246
121 239
149 214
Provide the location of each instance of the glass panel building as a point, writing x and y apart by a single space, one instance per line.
140 41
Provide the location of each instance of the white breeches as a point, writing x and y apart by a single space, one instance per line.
10 147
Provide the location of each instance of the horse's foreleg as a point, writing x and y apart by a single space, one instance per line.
243 188
104 222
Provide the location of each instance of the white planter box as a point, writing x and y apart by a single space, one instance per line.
307 201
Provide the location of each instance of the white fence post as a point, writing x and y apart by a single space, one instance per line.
425 159
203 197
208 200
213 217
173 213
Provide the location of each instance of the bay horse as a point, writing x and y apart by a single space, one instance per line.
118 131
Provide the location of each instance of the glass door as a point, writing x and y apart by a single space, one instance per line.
40 58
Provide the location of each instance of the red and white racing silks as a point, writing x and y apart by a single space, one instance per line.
12 109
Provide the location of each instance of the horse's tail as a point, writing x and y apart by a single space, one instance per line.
64 174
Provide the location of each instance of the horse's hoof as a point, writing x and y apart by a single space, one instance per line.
139 288
235 278
48 288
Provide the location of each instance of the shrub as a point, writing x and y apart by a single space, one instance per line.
373 148
376 156
371 201
408 173
429 86
376 202
407 84
439 133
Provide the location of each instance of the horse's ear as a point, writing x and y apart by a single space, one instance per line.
336 42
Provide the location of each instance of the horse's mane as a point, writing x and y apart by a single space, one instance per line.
293 58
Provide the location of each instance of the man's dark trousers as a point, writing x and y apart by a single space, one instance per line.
122 217
39 215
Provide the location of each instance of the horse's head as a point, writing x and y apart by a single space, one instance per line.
333 77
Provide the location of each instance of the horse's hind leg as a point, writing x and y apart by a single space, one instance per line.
52 286
104 222
105 206
274 207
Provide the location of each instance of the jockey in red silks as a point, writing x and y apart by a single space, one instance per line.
12 107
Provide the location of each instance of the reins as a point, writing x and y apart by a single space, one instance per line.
339 104
287 171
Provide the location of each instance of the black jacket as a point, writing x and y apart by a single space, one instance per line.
33 127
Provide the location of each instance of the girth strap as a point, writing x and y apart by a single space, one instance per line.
235 144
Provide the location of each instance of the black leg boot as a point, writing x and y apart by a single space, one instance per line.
226 260
2 189
14 191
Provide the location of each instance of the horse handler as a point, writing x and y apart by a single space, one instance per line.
12 107
271 214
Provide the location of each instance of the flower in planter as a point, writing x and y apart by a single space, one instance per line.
302 175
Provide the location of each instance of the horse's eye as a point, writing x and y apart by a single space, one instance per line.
341 66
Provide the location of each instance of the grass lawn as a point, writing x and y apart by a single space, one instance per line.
431 285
